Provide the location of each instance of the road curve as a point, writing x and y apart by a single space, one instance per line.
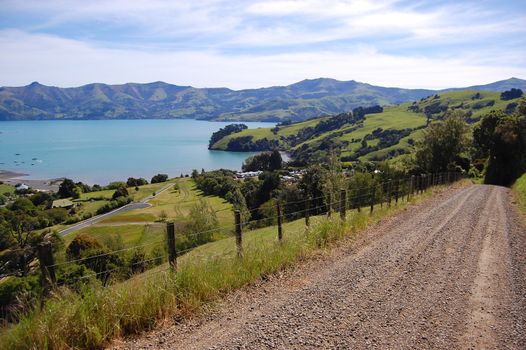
131 206
449 273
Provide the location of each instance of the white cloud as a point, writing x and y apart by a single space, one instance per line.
63 62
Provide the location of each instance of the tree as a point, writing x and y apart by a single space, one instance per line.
312 186
443 145
501 139
120 192
66 188
133 182
80 244
265 161
159 178
202 224
333 180
77 191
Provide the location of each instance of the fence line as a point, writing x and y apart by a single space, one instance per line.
402 187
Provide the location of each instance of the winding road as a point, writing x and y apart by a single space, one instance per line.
448 273
131 206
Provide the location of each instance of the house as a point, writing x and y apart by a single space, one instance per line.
21 187
62 203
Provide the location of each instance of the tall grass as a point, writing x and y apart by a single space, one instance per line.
96 315
520 191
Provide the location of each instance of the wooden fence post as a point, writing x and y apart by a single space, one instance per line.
373 194
343 204
412 185
170 241
47 266
280 229
307 212
239 234
389 193
329 206
397 193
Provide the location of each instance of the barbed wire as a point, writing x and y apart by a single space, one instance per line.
410 186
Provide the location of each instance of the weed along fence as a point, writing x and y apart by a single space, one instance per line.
291 219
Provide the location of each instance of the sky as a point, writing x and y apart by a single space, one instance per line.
252 44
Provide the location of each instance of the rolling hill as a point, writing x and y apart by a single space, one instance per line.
159 100
374 136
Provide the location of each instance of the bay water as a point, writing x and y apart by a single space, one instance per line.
100 151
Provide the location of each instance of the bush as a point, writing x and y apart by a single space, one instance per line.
113 204
159 178
120 192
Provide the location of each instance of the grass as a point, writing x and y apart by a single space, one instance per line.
520 191
204 275
176 204
131 235
132 225
5 188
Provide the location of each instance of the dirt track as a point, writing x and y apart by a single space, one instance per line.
448 273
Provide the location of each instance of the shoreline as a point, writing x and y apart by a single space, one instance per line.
13 178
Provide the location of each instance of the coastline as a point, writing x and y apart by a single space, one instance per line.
13 178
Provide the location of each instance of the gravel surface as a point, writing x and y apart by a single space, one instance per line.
447 273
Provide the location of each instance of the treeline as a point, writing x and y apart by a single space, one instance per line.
495 148
223 132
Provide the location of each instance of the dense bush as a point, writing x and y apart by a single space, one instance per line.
114 204
227 130
159 178
511 94
265 161
133 182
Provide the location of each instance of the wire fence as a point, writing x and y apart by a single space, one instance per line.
354 198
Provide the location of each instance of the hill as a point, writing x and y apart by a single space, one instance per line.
159 100
373 136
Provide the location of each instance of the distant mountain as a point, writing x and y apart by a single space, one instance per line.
502 85
299 101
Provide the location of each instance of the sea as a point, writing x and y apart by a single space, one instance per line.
101 151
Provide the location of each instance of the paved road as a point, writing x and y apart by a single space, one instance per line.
131 206
447 274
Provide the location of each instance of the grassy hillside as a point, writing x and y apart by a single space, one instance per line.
520 191
379 135
142 226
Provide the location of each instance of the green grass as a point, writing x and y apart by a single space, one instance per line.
131 225
176 204
520 192
204 275
5 188
131 235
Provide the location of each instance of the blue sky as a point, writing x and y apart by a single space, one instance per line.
250 44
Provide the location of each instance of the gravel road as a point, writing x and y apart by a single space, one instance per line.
449 273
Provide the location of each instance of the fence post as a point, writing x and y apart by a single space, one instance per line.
343 204
397 193
239 234
307 212
389 193
428 182
373 190
170 240
280 229
412 185
359 199
329 206
45 257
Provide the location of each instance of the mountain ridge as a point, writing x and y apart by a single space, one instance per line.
160 100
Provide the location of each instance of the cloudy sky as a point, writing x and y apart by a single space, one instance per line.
250 44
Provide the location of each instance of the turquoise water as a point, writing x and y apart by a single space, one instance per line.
100 151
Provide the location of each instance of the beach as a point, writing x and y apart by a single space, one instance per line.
13 178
